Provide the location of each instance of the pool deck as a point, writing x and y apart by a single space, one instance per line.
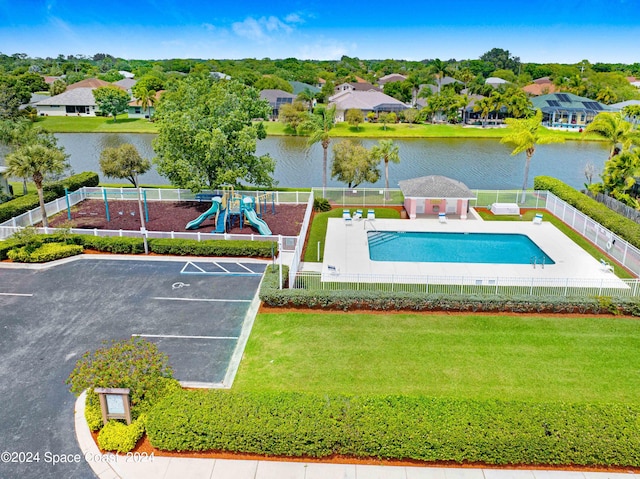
346 252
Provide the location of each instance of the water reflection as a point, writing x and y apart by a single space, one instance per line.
480 163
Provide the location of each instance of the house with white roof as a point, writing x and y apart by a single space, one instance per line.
77 100
495 82
366 101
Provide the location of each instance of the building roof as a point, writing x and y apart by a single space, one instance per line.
436 187
126 74
220 75
299 87
567 102
90 83
75 97
392 77
125 83
366 100
542 80
275 97
434 86
495 81
619 106
536 89
359 86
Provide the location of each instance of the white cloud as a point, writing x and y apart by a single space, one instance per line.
325 50
264 28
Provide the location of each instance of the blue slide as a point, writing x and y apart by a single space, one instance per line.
221 224
252 218
207 214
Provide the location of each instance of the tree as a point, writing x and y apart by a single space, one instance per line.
353 164
525 135
206 137
517 102
317 126
354 117
386 150
36 161
400 90
307 96
111 100
147 99
9 102
439 69
410 116
484 106
615 130
57 87
292 114
618 177
273 82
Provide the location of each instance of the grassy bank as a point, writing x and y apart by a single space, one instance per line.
71 124
454 356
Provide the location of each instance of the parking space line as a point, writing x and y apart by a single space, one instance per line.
17 294
173 336
210 300
248 269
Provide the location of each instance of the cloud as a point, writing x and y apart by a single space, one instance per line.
264 28
325 50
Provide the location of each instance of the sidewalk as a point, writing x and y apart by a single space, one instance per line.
110 466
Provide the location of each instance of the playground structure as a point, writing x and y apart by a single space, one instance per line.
229 206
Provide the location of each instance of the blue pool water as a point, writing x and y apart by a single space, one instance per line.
431 247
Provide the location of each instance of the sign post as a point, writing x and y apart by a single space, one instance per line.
114 404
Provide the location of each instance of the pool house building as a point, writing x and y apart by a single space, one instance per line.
566 110
434 195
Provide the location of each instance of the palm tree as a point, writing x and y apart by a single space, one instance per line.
388 151
36 161
440 69
484 106
306 96
615 130
525 135
318 126
147 100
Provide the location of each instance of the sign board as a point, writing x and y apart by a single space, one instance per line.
114 404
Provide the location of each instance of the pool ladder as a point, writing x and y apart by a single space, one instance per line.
380 237
535 260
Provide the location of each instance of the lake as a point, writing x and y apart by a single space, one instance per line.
479 163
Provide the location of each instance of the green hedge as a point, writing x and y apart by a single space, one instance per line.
119 437
259 249
46 252
398 301
92 411
397 427
618 224
22 204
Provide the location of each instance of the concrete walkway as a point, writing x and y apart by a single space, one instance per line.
111 466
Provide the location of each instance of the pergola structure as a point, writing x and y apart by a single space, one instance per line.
433 195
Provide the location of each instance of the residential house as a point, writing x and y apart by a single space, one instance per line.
126 84
356 86
299 87
137 111
540 86
495 82
366 101
220 76
76 100
634 81
393 77
566 110
434 87
276 99
126 74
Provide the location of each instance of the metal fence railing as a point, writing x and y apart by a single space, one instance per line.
361 196
297 254
539 287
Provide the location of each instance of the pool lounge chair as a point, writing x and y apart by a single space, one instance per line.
357 215
371 214
606 266
537 220
332 269
442 217
346 216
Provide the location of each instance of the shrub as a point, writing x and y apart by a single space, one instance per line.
119 437
135 364
260 249
397 427
618 224
22 204
110 244
44 253
321 205
92 411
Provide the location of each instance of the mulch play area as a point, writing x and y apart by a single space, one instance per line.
171 216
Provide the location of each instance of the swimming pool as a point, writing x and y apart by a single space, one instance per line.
449 247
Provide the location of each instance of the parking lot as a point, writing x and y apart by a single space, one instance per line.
198 312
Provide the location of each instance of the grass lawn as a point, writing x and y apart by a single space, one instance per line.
458 356
74 124
318 230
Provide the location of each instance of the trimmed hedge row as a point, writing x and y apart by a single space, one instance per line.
119 437
259 249
349 300
397 427
46 252
22 204
620 225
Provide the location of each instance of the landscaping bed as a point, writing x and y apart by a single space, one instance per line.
171 216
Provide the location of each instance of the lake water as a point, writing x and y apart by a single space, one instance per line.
479 163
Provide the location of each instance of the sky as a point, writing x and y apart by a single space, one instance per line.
539 31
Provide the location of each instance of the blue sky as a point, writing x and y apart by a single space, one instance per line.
541 31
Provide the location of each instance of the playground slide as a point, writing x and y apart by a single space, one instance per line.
200 219
221 224
252 218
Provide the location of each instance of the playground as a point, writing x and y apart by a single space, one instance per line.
282 219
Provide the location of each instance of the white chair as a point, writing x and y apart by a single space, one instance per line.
346 216
442 217
371 214
357 215
332 269
606 266
537 219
